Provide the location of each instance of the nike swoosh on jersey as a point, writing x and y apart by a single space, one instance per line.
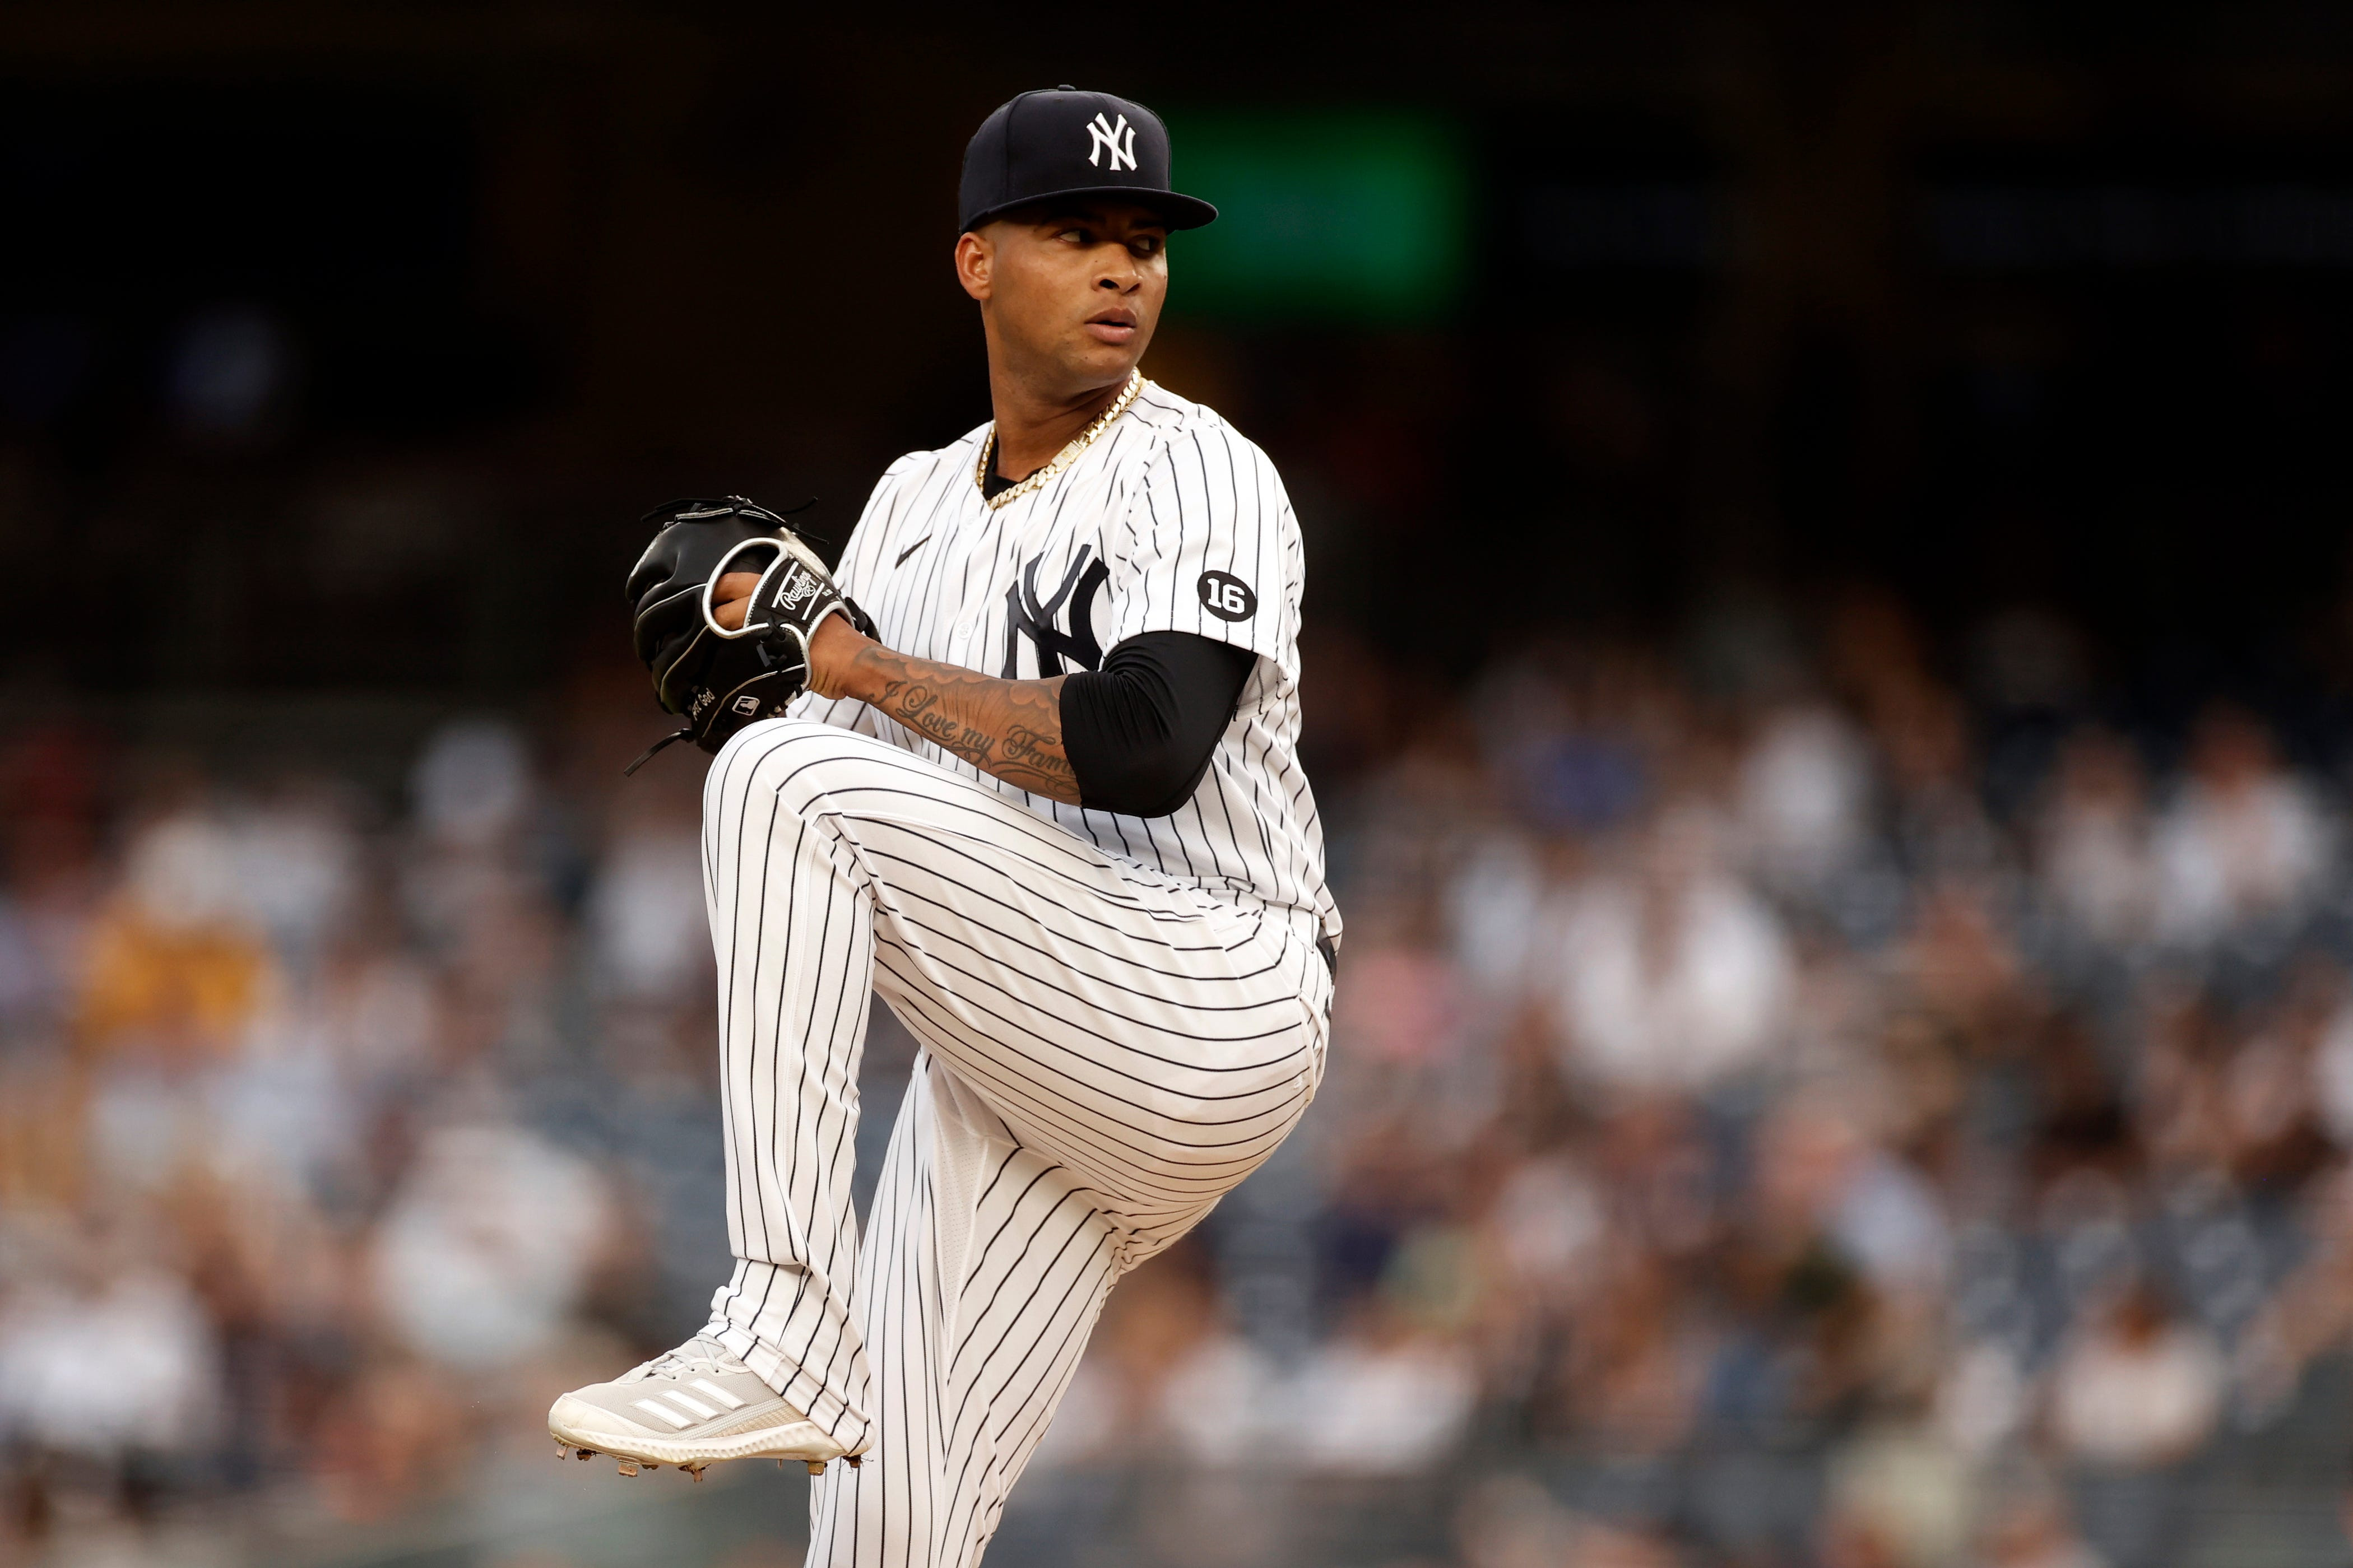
911 550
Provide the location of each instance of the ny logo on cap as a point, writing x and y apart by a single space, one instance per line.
1119 138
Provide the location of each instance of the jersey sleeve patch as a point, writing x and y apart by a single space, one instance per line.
1227 596
1212 548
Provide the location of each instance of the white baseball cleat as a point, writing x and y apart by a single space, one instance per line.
690 1407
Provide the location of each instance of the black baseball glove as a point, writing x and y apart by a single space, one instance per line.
716 679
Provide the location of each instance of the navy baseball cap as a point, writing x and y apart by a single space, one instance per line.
1067 144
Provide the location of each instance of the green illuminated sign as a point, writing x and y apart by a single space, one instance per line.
1335 216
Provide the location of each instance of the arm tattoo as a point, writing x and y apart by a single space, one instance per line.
1012 729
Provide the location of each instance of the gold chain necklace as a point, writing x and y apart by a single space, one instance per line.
1062 459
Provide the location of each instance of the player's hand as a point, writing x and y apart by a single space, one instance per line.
832 646
730 597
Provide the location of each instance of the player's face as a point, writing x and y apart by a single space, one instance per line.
1074 294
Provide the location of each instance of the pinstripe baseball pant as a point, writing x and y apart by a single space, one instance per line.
1105 1053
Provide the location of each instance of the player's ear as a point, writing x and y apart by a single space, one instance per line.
975 261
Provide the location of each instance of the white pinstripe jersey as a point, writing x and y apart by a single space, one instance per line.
1170 521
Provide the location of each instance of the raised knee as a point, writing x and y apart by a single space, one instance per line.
799 760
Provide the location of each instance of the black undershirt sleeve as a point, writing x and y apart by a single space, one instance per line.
1140 730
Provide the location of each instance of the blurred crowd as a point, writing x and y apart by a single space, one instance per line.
1823 1117
338 1126
1791 1101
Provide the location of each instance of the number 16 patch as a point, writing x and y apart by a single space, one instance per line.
1227 596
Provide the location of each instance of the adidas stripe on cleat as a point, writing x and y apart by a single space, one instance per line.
690 1407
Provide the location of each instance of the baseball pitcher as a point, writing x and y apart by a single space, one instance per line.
1026 766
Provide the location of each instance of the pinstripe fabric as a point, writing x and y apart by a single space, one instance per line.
1169 495
1107 1050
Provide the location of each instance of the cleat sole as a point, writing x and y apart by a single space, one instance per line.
796 1440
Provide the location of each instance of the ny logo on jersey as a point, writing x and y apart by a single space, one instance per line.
1118 140
1027 616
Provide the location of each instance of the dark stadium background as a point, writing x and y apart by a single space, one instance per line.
1981 303
342 346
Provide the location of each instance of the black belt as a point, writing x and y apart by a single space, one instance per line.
1324 944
